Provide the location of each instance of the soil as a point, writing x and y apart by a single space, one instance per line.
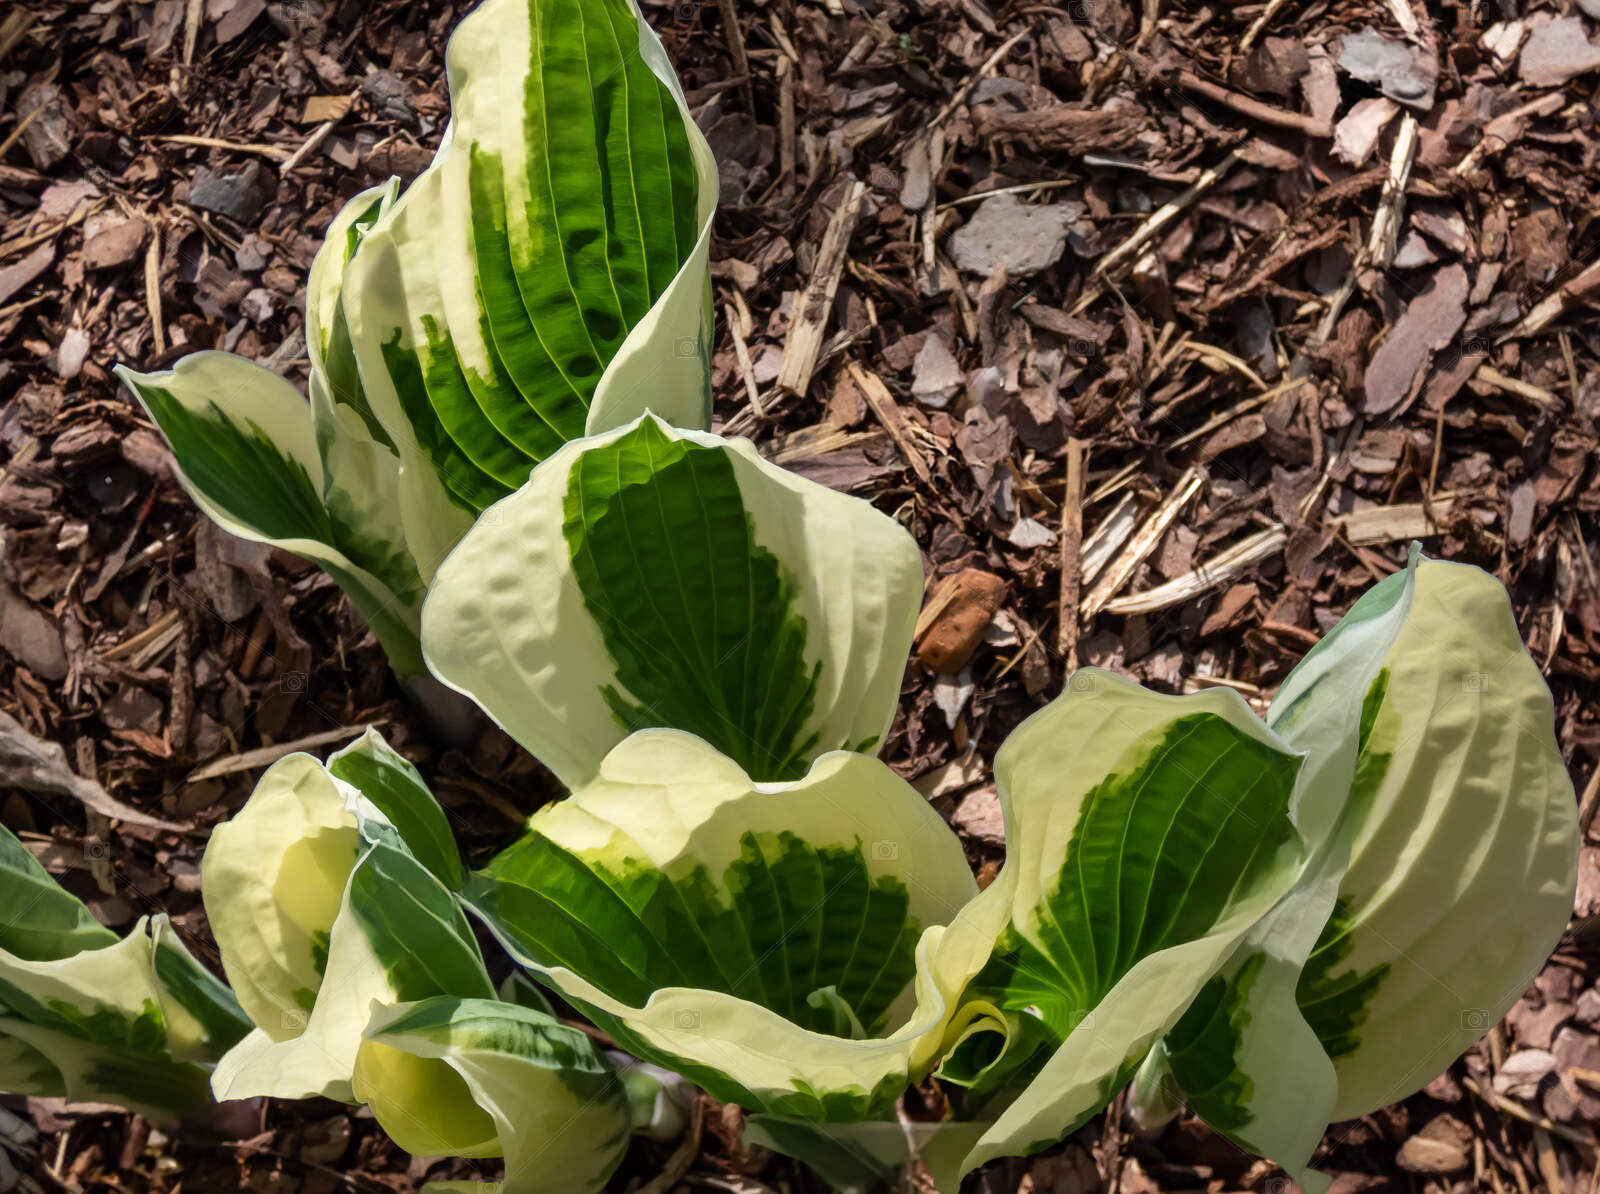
1271 288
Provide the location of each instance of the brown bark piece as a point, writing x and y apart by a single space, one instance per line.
957 614
1432 318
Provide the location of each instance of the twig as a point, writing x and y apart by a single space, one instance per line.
191 29
15 134
786 178
1550 308
29 240
14 28
1587 803
1254 108
276 152
682 1157
1506 128
888 412
1393 524
989 63
135 643
264 755
1260 23
317 137
1048 184
152 288
1233 412
1071 556
1543 399
1141 545
734 36
741 353
1213 574
1379 249
1158 220
812 307
1516 1110
930 219
1408 21
1108 536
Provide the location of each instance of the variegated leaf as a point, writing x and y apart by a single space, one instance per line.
651 577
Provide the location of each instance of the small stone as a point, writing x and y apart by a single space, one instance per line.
958 612
111 240
1587 1010
239 195
256 306
1004 230
390 97
1441 1147
71 354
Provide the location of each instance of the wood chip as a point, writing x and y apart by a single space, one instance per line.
813 305
1144 542
1429 323
1392 524
894 421
1225 566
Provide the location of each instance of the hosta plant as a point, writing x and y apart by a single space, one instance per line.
1444 873
332 895
545 278
1280 920
94 1017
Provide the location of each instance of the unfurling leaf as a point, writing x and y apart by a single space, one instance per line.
651 577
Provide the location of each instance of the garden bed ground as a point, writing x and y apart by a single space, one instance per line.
1259 376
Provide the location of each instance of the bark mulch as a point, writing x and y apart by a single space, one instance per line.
1178 319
